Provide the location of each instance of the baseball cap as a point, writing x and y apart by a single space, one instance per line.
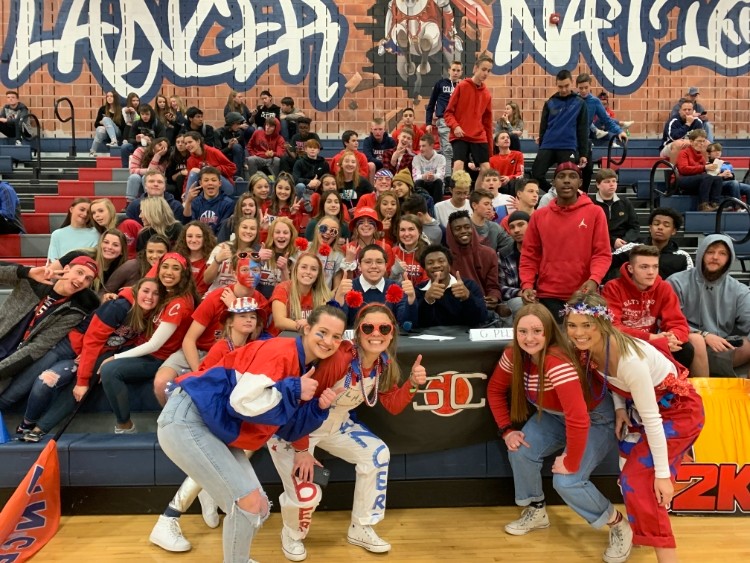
86 262
693 91
234 117
568 166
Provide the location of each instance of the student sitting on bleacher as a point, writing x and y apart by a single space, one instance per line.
12 117
39 312
157 219
265 148
108 123
113 327
196 241
330 204
730 185
717 308
194 123
676 129
231 140
220 271
351 185
244 206
76 230
622 222
177 167
10 211
154 184
293 300
142 131
103 214
696 174
136 268
202 155
325 245
277 254
109 254
145 158
205 202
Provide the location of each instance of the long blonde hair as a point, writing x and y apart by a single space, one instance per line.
554 345
317 240
392 373
159 215
112 223
320 292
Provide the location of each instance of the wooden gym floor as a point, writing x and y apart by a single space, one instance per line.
418 536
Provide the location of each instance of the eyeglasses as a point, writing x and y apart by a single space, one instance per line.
384 329
254 255
323 229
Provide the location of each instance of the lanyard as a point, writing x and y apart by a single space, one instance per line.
44 305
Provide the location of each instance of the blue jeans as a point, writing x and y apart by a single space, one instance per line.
43 393
118 373
21 385
107 130
126 149
443 132
134 187
733 188
546 435
222 471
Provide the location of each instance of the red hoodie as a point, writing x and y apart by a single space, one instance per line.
212 157
260 142
690 162
476 262
564 247
640 313
470 106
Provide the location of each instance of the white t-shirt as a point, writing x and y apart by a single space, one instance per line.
444 209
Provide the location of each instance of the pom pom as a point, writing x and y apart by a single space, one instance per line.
301 243
324 250
354 299
394 294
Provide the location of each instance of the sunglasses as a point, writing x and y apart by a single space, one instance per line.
323 229
253 255
384 329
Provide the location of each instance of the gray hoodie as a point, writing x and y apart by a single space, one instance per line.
720 307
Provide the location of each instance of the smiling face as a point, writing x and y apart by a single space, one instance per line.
583 332
322 339
191 145
332 205
382 183
248 231
401 188
308 270
194 238
331 234
408 234
530 335
79 215
328 184
373 265
261 189
249 209
154 251
388 206
282 235
375 343
283 191
154 185
349 164
100 214
462 230
366 228
111 247
437 267
148 296
170 273
211 184
75 278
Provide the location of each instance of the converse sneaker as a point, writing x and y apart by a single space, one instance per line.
209 510
531 519
294 550
365 536
620 543
168 535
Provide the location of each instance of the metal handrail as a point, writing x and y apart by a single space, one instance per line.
732 202
38 136
651 183
72 153
610 148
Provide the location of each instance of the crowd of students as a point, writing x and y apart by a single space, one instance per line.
191 289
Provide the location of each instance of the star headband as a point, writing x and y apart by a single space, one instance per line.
580 308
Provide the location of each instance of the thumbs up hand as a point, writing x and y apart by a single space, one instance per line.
459 289
408 287
308 385
328 396
418 374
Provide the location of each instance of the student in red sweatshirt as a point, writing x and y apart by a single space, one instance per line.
469 116
551 273
265 148
695 172
647 307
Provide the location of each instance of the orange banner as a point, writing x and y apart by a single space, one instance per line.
32 515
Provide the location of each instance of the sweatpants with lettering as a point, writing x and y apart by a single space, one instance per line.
348 440
683 422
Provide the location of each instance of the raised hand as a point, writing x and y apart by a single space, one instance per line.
351 252
295 205
282 262
437 289
328 396
408 287
418 374
265 254
459 289
308 385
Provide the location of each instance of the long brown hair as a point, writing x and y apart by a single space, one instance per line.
137 318
392 373
75 202
555 345
209 240
321 294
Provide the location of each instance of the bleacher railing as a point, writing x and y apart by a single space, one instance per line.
610 149
652 180
735 203
32 125
72 118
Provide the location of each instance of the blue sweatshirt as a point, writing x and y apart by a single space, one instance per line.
450 311
565 124
211 212
441 93
595 108
374 149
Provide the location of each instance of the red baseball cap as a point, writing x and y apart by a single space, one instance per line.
568 166
86 262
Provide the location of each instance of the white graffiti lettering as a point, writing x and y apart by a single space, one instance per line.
714 34
133 45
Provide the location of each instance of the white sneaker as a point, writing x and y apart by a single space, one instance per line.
620 543
209 510
531 519
19 143
627 124
130 430
113 143
294 550
365 536
600 133
168 535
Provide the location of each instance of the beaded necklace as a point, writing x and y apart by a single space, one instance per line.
356 367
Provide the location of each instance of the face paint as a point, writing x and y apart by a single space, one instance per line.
248 273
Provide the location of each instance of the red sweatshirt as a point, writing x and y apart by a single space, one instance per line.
260 143
562 394
470 106
364 171
576 248
212 157
690 162
641 313
510 165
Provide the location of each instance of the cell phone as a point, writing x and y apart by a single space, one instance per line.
321 475
735 341
623 432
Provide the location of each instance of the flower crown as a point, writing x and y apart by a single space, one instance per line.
597 311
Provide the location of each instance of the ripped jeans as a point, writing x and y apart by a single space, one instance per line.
221 470
47 386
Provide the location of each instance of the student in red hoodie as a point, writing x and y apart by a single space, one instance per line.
695 172
202 155
266 147
647 307
469 116
551 273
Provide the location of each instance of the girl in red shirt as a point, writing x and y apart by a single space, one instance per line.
694 172
196 241
244 322
538 368
276 254
219 271
389 213
409 249
293 300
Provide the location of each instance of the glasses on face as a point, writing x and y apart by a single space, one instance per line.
253 255
370 262
323 229
368 328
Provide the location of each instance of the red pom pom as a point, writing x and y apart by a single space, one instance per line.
301 243
324 250
394 294
354 299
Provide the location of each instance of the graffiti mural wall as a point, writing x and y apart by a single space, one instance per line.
345 61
